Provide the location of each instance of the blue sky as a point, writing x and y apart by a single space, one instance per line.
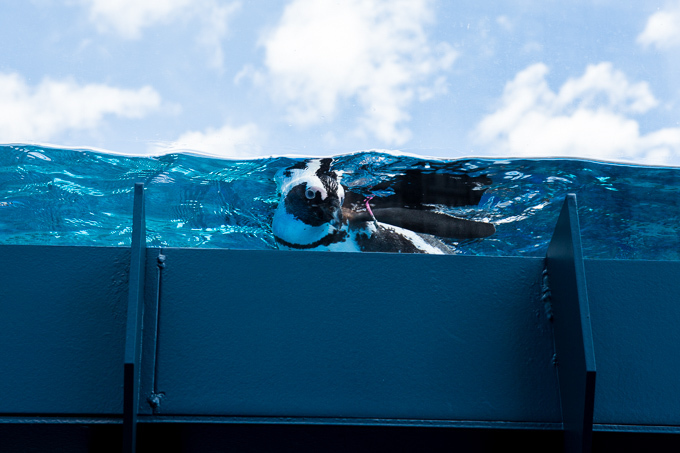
594 79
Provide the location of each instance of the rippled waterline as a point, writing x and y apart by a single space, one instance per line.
53 196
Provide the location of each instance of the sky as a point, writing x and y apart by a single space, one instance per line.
595 79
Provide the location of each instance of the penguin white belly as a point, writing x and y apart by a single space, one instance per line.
292 234
292 230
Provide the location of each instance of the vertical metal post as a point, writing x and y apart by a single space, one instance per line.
133 331
575 353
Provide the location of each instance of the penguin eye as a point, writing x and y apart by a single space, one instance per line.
310 194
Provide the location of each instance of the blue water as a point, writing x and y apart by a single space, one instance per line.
54 196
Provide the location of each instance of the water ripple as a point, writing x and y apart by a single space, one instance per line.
81 197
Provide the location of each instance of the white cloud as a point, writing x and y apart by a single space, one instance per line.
662 29
603 86
215 29
127 18
43 112
588 117
228 141
324 55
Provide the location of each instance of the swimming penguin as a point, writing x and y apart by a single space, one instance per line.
317 212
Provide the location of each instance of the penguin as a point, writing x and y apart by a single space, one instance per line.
316 212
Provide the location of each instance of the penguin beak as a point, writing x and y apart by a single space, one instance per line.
336 221
333 211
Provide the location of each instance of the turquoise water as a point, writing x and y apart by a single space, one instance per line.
54 196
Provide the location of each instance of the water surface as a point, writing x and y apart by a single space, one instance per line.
52 196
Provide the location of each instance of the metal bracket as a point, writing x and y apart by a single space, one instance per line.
151 327
572 329
133 328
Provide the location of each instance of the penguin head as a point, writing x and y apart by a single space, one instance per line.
314 205
311 202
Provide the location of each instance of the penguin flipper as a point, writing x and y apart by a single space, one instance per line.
434 223
416 188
